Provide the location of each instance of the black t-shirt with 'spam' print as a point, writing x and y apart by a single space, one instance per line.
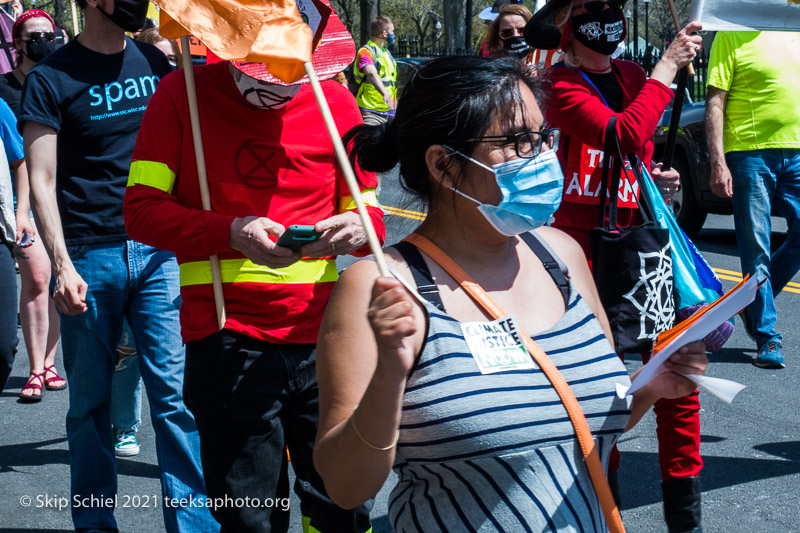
95 102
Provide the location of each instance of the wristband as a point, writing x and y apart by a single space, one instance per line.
362 439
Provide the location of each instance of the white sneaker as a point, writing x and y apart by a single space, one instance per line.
125 444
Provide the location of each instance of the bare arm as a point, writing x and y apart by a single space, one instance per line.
23 201
668 181
371 76
364 379
40 143
16 9
721 179
680 53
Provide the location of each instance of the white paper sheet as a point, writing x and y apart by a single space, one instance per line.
704 325
747 15
724 389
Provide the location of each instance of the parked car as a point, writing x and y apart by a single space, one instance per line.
406 66
695 200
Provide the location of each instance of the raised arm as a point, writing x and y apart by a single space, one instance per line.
362 381
680 53
581 114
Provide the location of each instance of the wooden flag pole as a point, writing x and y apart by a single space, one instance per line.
674 13
349 175
202 176
677 103
75 29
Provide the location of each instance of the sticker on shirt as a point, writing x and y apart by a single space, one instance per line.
497 346
584 175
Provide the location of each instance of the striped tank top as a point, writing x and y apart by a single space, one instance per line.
497 452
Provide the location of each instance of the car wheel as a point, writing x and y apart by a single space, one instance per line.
687 212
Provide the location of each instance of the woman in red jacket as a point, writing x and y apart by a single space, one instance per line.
588 89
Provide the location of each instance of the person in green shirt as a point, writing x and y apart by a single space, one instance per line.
753 131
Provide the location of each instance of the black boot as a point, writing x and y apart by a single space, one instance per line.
682 505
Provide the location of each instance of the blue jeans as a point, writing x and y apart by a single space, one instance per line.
140 283
126 387
8 313
763 180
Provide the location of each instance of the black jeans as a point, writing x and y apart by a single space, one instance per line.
8 313
250 400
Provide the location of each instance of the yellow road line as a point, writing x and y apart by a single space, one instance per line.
405 213
733 273
728 275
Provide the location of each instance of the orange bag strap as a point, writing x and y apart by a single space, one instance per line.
585 440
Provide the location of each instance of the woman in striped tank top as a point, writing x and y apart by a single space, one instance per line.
433 388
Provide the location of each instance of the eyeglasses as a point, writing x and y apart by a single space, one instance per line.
597 6
507 33
36 35
527 144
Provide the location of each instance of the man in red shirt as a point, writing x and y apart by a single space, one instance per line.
252 385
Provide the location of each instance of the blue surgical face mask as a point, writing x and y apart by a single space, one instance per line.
531 193
390 39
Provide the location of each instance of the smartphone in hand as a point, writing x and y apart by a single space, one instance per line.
296 236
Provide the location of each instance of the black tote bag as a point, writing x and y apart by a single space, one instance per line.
632 266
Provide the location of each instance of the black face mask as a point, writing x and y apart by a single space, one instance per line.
516 46
128 14
39 49
601 32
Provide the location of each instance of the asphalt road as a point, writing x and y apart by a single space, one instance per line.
751 447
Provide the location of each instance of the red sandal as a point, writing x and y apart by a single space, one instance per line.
52 369
31 385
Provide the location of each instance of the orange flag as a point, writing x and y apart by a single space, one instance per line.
262 31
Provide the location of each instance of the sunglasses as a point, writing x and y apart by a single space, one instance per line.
597 6
507 33
36 35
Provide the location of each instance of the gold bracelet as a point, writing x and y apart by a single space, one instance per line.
362 439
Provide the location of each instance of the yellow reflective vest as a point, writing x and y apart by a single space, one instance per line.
368 97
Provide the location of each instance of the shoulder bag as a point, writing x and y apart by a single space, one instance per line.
632 265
